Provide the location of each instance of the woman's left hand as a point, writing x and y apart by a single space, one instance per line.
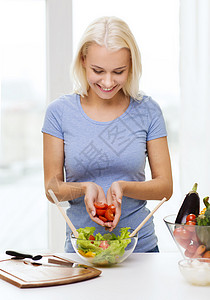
114 196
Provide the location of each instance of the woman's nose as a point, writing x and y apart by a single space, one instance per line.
107 80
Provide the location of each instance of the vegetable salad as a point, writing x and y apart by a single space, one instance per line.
102 249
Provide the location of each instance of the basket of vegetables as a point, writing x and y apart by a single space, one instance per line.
190 228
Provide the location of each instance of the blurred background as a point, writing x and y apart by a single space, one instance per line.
38 41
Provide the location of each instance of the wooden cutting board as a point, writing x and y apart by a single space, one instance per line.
26 275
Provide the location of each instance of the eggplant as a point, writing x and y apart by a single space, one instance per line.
190 205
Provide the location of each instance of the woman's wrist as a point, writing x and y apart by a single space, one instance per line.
122 185
86 185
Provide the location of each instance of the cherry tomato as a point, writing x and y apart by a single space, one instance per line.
102 218
191 217
100 205
109 214
112 207
104 244
91 237
191 226
190 223
100 212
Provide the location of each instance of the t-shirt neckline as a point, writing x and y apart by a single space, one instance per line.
105 122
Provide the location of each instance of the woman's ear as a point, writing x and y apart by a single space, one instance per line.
83 61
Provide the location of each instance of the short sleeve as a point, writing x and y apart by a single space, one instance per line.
156 125
53 119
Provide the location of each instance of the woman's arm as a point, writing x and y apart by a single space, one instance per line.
54 173
66 191
161 184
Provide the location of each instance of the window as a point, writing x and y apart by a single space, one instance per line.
23 100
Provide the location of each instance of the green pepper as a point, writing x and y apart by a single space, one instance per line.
203 228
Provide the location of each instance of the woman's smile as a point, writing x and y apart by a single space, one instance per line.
106 90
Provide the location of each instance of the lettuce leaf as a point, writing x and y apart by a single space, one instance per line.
115 249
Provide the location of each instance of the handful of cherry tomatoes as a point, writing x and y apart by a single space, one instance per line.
105 212
187 238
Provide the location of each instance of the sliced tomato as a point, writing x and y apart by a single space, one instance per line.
102 218
112 208
109 214
91 237
104 244
100 212
100 205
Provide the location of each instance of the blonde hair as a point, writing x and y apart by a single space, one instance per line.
114 34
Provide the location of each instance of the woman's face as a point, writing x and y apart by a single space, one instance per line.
107 71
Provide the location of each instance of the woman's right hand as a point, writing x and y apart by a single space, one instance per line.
94 193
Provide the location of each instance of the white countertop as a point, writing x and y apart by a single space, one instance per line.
145 276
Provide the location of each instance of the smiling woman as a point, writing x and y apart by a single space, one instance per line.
111 119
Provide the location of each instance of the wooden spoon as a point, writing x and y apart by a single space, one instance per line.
147 217
68 221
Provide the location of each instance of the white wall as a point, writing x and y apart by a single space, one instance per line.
59 55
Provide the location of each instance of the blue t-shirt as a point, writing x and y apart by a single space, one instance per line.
104 152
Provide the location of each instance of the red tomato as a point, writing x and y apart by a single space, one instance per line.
104 244
187 253
102 218
100 212
100 205
191 226
185 234
191 217
91 237
192 248
177 231
112 207
194 237
109 214
183 243
182 236
190 223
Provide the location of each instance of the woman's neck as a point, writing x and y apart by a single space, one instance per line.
104 110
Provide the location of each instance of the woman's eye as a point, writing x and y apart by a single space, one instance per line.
118 73
97 72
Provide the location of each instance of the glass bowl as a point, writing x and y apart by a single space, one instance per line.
104 253
193 241
196 271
